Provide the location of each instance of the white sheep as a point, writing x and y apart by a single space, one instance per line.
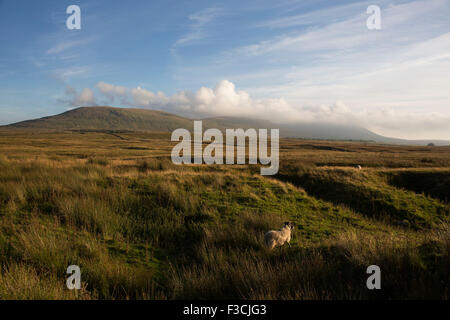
275 238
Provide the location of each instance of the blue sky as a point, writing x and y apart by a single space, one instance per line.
285 60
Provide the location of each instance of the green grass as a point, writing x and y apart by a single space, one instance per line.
369 193
142 228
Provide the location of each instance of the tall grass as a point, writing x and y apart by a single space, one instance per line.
140 227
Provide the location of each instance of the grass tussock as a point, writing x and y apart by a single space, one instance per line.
141 227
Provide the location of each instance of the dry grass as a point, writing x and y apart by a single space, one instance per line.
142 228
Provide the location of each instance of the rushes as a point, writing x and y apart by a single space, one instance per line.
140 227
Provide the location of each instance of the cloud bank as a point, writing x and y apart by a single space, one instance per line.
73 98
394 81
226 100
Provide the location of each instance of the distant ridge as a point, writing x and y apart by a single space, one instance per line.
105 118
108 118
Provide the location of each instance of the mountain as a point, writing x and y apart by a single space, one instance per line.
108 118
131 119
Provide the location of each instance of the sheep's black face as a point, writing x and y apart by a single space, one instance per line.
289 224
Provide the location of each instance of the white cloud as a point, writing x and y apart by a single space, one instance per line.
225 100
145 98
112 91
318 17
73 98
68 44
86 97
335 57
66 74
107 88
197 28
401 24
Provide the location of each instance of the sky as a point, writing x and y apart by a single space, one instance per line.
285 61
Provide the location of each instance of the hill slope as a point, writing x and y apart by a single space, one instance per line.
129 119
108 118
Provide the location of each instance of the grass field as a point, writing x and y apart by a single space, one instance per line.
141 227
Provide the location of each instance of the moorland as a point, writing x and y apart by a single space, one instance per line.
141 227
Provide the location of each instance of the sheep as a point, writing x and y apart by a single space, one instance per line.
275 238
